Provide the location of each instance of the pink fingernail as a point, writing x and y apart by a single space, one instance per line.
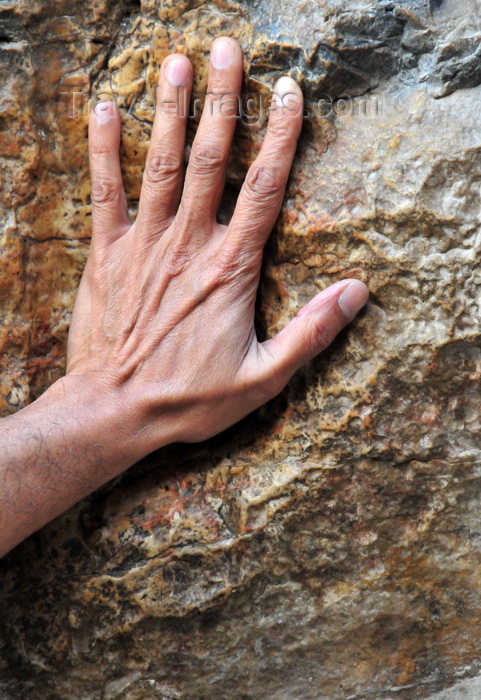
104 111
353 298
287 94
286 86
177 72
222 53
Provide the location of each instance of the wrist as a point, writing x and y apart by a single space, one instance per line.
98 412
78 435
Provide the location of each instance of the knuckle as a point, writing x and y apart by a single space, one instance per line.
225 263
321 336
261 384
162 168
206 159
105 191
221 101
233 265
280 131
225 271
263 183
176 260
169 109
99 148
272 384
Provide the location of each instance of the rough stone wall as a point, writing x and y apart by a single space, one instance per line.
329 546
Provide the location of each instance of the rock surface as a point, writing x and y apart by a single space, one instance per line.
329 546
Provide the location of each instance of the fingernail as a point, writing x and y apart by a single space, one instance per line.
353 298
104 111
177 72
286 86
223 53
287 94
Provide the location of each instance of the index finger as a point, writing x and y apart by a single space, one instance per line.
261 196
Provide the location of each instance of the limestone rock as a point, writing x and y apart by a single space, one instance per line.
328 547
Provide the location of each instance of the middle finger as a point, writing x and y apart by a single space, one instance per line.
205 177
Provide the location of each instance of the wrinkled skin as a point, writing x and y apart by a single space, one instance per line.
162 344
173 294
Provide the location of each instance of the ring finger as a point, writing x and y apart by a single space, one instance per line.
162 181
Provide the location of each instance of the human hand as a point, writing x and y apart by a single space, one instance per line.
162 345
164 317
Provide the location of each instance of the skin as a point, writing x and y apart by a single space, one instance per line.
162 346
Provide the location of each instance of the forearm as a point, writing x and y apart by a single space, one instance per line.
162 345
56 451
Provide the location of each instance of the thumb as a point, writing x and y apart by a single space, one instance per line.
314 328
